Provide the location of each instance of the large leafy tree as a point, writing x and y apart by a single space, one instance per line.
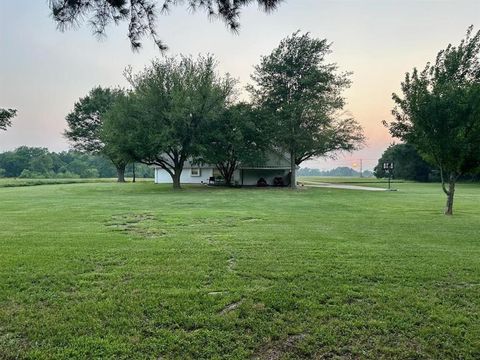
143 14
236 137
6 116
120 128
409 165
85 123
160 122
439 112
302 94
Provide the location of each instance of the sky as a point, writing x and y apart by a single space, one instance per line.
44 71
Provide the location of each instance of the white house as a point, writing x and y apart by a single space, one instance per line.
275 167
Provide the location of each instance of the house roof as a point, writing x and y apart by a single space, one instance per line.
274 159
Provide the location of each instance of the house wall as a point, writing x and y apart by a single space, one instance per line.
163 177
250 176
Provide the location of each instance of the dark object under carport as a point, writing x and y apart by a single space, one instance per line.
278 181
261 182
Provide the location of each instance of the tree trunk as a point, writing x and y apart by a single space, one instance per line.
133 170
293 177
228 180
121 172
227 171
176 178
228 174
450 195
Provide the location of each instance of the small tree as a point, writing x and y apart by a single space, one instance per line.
142 14
6 116
303 96
85 123
237 136
439 112
160 122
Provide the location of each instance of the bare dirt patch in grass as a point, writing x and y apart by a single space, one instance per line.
147 225
275 350
216 293
231 263
226 221
231 307
144 225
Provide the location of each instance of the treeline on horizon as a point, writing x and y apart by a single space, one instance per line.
410 165
340 171
40 163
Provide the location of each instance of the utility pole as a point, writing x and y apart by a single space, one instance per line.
361 168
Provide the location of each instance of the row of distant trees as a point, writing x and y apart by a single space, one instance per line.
338 171
36 162
181 108
410 165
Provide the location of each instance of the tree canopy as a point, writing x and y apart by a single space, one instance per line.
302 95
237 136
85 124
439 112
6 116
142 15
161 120
408 164
120 128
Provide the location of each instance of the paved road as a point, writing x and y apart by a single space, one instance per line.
342 186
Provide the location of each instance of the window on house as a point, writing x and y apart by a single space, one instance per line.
195 172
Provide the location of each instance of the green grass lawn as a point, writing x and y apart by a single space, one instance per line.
137 271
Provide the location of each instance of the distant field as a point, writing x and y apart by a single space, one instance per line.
138 271
14 182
